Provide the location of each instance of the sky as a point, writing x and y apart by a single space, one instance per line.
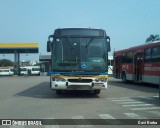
127 22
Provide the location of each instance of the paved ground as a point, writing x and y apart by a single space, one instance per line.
31 98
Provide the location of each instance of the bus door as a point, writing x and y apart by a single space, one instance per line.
117 64
138 66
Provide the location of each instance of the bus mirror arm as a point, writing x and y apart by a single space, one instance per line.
50 36
108 43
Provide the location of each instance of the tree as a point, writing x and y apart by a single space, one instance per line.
152 38
6 62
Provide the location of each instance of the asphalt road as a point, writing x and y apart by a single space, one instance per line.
29 97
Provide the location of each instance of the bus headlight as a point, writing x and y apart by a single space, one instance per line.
96 80
59 80
101 80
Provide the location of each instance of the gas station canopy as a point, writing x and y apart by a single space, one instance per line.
9 48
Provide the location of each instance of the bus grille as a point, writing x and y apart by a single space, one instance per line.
80 80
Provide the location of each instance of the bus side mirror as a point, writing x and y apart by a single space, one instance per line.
49 43
48 46
108 44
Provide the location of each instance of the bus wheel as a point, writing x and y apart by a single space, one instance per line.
58 92
97 91
124 78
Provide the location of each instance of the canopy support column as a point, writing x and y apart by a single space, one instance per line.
17 63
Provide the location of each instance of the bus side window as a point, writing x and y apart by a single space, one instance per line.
124 58
156 54
129 57
147 55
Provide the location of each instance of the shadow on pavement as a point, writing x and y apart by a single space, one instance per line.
43 90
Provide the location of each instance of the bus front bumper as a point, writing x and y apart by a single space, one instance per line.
77 86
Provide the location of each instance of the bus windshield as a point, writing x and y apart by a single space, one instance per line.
80 54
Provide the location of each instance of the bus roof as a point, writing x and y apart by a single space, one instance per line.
139 48
79 32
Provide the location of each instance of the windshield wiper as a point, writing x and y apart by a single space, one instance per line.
89 42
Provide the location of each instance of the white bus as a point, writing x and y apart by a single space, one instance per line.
33 70
23 71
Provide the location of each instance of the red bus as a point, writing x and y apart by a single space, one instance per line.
139 64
